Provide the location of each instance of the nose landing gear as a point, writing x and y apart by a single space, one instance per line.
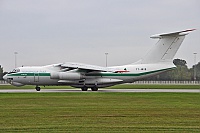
37 88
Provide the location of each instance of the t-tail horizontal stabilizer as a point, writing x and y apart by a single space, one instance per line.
183 32
165 49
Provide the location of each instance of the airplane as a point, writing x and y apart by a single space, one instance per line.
158 60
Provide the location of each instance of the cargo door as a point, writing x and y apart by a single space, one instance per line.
36 77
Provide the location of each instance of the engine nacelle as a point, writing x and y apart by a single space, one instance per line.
66 76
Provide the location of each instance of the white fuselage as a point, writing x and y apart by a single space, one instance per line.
52 75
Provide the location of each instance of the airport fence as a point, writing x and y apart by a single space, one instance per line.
169 82
3 82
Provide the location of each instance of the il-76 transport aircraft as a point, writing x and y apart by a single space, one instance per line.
159 59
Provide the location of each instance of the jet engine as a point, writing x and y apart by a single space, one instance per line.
66 76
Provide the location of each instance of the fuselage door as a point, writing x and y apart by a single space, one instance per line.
36 77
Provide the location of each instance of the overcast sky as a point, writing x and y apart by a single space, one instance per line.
52 31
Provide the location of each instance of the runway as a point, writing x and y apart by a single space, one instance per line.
100 90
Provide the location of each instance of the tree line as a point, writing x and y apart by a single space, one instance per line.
1 73
180 73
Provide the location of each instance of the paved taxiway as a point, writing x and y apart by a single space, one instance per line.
100 90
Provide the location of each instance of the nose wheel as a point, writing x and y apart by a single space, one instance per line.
37 88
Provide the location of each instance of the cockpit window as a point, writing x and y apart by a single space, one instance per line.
14 71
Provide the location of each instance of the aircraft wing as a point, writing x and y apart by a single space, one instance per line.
70 66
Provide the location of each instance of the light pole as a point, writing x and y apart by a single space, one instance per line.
195 75
106 59
15 59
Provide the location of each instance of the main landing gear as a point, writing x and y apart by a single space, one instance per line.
37 88
92 88
84 88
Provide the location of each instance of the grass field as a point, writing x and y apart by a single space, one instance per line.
123 86
100 112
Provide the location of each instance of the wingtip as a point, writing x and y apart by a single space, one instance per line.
188 30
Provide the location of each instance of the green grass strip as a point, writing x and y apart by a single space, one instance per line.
100 112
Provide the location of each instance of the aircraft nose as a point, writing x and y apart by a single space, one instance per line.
5 77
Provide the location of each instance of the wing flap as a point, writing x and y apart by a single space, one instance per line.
81 66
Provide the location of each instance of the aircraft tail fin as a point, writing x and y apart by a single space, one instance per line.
165 49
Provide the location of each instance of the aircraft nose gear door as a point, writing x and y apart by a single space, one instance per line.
36 77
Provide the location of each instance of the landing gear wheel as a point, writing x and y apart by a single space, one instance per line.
37 88
94 88
84 88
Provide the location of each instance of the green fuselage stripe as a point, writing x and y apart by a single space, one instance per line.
93 74
29 74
